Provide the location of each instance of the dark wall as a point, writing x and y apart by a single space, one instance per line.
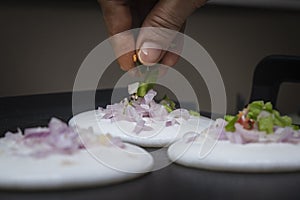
43 43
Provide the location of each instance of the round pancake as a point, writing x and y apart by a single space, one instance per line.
226 156
95 166
159 136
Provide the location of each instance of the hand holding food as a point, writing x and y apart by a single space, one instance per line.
123 15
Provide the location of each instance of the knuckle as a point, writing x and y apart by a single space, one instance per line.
166 19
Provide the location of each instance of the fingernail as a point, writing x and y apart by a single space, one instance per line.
149 53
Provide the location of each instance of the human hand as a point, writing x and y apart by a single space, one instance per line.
152 44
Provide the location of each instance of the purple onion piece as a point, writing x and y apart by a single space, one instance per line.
139 126
149 96
38 132
247 135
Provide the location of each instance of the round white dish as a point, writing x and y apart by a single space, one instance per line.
159 136
225 156
95 166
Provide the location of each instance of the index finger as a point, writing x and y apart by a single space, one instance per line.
117 17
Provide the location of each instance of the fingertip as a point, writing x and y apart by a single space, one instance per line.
126 62
170 59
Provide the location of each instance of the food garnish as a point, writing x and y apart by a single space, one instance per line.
141 106
261 116
57 138
257 123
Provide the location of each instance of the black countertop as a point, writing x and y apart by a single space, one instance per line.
171 182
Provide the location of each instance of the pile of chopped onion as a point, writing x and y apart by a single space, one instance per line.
244 136
142 108
57 138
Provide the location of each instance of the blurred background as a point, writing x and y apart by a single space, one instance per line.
43 43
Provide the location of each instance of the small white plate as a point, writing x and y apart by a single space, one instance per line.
225 156
98 166
159 136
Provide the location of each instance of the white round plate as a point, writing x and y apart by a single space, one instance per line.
159 136
225 156
98 166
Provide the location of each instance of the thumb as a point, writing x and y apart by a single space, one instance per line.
160 27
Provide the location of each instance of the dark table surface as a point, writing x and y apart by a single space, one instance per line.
171 182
